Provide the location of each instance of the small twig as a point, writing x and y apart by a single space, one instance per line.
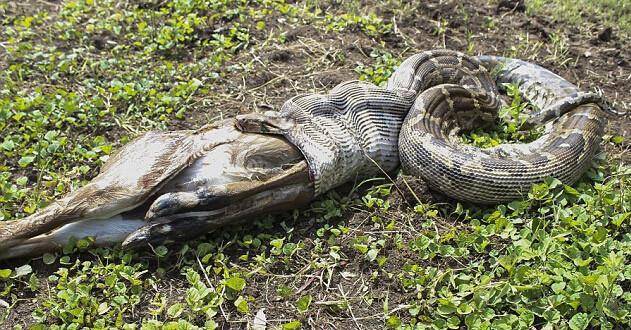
348 305
199 262
267 83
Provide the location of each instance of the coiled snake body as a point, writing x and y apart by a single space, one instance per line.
361 130
195 181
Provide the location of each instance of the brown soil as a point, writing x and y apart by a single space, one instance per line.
312 60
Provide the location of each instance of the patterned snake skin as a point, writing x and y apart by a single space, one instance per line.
361 130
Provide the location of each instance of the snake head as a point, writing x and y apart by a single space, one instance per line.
269 122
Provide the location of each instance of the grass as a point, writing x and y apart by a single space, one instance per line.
599 13
80 78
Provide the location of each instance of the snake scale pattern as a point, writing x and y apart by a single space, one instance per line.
361 130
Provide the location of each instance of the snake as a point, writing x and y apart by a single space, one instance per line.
360 130
190 182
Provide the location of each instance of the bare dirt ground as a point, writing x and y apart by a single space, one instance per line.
315 60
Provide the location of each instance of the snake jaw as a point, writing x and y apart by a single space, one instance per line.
269 122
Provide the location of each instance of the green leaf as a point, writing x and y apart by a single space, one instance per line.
507 262
558 287
372 254
83 244
21 181
51 135
33 282
393 322
8 145
618 139
242 305
361 248
571 191
446 307
235 283
204 248
23 270
618 219
5 273
277 243
464 308
161 251
103 308
196 83
579 321
25 160
175 310
289 248
303 303
49 258
552 316
293 325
